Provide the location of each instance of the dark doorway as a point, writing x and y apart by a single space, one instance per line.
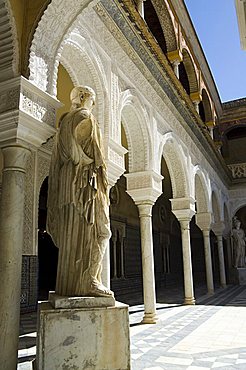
47 251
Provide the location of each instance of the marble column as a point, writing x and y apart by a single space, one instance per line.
208 261
105 276
11 243
221 260
196 99
186 248
203 221
175 65
145 216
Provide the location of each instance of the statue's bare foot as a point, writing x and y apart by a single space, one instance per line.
99 290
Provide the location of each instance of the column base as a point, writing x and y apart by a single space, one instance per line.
189 301
223 286
210 293
81 338
149 318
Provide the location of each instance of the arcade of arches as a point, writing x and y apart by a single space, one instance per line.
175 153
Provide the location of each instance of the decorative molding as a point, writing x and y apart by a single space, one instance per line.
115 161
57 18
238 170
9 99
144 186
29 226
27 114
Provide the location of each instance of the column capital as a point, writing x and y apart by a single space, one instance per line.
218 228
175 56
183 208
27 114
144 187
203 220
196 97
145 208
15 157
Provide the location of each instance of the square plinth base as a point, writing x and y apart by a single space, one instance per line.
238 275
83 338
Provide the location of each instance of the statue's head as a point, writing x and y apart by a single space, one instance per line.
236 222
80 94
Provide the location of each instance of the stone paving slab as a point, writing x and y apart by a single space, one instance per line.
209 335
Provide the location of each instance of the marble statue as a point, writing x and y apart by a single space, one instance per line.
77 218
238 237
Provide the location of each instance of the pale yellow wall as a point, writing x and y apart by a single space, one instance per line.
64 87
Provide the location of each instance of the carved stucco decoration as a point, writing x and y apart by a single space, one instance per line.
216 208
201 192
29 102
37 107
135 123
171 150
9 50
47 40
10 99
83 70
29 227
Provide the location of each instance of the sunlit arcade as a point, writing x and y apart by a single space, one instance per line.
175 157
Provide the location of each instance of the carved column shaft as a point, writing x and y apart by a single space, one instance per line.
175 65
11 244
188 277
208 261
114 240
147 263
221 260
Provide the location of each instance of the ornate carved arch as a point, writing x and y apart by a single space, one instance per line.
201 192
215 206
172 151
134 119
9 49
84 69
158 17
208 116
191 72
55 23
166 23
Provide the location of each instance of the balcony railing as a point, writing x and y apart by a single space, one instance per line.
238 170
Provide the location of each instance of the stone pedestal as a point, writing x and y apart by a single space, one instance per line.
238 275
77 336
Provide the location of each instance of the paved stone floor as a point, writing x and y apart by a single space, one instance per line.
209 335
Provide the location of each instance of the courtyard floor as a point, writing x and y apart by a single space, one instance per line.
209 335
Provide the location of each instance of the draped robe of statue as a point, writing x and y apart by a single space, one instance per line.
77 219
238 236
